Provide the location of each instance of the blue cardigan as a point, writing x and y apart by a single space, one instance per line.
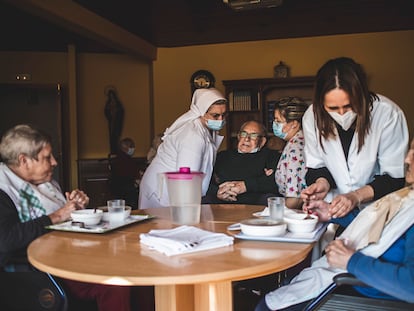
392 274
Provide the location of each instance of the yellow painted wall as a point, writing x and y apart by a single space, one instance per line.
94 72
130 77
387 58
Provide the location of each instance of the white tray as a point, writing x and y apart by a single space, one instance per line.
102 227
289 236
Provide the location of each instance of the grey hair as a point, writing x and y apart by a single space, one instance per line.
22 139
291 108
262 128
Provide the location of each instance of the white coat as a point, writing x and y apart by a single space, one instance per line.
383 152
187 143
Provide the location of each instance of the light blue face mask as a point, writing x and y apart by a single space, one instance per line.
277 130
130 151
215 125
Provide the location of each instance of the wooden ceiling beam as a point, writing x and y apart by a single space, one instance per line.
73 17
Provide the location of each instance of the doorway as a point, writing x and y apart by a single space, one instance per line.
40 106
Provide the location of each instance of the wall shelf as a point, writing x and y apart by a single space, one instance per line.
253 99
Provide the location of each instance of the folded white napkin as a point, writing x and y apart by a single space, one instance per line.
184 239
265 212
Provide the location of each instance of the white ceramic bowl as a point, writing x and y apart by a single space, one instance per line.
298 224
296 214
87 216
105 217
262 227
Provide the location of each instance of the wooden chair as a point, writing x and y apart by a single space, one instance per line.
331 299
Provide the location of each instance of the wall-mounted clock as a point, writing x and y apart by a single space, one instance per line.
202 79
281 70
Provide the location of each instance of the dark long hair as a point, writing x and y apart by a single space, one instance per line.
345 74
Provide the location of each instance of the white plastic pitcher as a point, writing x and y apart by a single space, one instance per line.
184 191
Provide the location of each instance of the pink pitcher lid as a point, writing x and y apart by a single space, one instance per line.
183 173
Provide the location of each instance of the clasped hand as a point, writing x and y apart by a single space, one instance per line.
76 199
229 190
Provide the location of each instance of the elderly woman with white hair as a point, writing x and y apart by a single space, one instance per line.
30 200
191 141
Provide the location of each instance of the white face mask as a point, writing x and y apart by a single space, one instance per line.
345 120
252 151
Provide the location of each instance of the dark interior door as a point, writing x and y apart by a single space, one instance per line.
37 105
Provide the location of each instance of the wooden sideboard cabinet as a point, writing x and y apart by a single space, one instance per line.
93 178
253 99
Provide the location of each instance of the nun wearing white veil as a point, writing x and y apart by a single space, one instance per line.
191 141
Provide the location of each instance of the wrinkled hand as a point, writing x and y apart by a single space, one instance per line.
229 190
342 204
316 191
338 253
63 213
224 192
78 197
268 171
319 208
239 187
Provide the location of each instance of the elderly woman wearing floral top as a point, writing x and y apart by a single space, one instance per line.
291 170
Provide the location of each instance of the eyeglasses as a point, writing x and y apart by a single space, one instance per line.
216 116
252 136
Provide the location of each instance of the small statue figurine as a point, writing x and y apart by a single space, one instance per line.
114 113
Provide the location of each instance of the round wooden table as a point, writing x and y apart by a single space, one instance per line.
197 281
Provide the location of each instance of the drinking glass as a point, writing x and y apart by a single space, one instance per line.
276 207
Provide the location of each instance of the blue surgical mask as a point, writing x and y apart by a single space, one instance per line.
215 125
277 130
130 151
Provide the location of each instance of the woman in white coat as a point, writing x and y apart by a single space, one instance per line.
355 140
191 141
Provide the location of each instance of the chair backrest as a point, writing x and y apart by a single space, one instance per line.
31 291
111 158
330 299
345 302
